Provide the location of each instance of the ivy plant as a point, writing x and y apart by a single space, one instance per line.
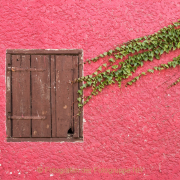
124 60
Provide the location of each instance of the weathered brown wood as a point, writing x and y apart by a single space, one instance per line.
53 96
69 139
75 96
64 94
41 96
24 69
80 84
21 96
8 95
45 51
26 117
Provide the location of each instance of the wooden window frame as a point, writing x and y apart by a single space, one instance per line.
9 53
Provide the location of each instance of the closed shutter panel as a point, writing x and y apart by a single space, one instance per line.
31 96
66 95
41 100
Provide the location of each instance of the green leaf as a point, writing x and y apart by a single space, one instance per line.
157 56
83 86
110 52
105 54
111 60
178 46
123 53
150 70
99 78
166 66
100 68
117 56
159 68
129 83
101 55
105 65
80 105
99 89
133 51
123 46
145 58
95 73
161 51
150 58
118 48
137 77
115 67
174 65
79 99
120 56
80 92
134 80
174 48
85 77
108 71
89 83
156 51
156 68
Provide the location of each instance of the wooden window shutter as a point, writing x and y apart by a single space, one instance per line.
41 101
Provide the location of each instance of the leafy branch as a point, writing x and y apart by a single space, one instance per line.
124 60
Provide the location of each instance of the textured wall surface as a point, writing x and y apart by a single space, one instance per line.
134 130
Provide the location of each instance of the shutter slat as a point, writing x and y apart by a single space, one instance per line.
75 90
41 96
8 95
80 84
21 96
53 96
64 94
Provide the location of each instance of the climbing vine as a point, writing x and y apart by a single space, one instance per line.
127 57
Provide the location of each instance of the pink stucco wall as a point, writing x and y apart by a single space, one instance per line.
135 129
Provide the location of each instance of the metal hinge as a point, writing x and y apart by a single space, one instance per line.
24 69
26 117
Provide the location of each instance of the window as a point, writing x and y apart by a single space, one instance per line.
41 101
